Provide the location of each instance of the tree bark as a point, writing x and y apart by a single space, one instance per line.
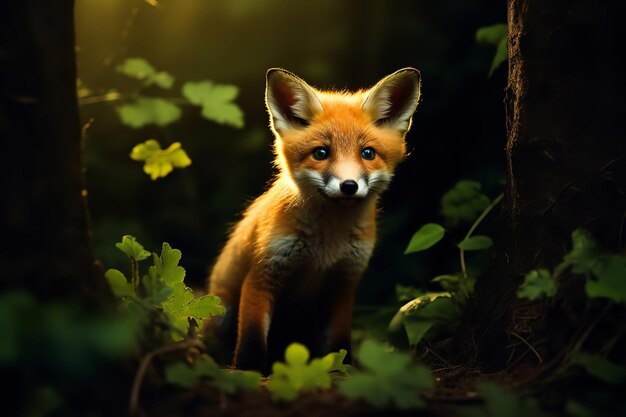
565 154
46 244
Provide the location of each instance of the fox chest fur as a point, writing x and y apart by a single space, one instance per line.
290 267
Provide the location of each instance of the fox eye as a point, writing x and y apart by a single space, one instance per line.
321 153
368 154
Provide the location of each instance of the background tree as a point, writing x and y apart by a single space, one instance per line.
565 165
45 233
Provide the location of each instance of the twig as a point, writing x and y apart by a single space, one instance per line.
529 346
133 404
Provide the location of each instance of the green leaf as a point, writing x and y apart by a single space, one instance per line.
600 367
162 79
388 378
582 257
537 283
463 203
420 315
166 265
158 162
494 35
426 237
610 278
230 381
417 329
297 374
216 101
132 248
186 376
119 284
157 290
141 69
499 401
137 68
204 307
502 54
476 243
491 34
337 362
449 283
145 111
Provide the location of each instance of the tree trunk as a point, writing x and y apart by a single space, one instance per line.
565 162
45 235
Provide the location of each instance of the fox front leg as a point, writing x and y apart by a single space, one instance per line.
342 304
256 307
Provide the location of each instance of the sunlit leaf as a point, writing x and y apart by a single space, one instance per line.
537 283
119 284
137 68
216 101
132 248
426 237
141 69
297 374
476 243
145 111
160 162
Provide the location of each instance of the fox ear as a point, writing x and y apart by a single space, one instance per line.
393 100
291 102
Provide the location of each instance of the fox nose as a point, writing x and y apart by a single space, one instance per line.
349 187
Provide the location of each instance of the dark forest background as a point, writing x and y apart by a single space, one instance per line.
458 131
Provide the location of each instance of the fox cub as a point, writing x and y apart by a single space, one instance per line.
289 271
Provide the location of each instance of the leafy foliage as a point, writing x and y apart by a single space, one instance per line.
297 374
494 35
606 273
435 312
537 283
160 162
142 70
388 379
426 237
204 368
137 110
163 290
216 101
463 203
145 111
421 314
600 367
501 402
51 348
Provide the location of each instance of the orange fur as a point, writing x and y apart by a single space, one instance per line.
301 247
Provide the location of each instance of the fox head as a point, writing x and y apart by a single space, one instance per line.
341 145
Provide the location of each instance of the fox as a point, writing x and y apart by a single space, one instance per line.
291 265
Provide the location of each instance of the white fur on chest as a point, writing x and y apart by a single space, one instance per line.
320 243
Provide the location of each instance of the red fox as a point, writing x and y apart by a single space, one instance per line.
289 270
